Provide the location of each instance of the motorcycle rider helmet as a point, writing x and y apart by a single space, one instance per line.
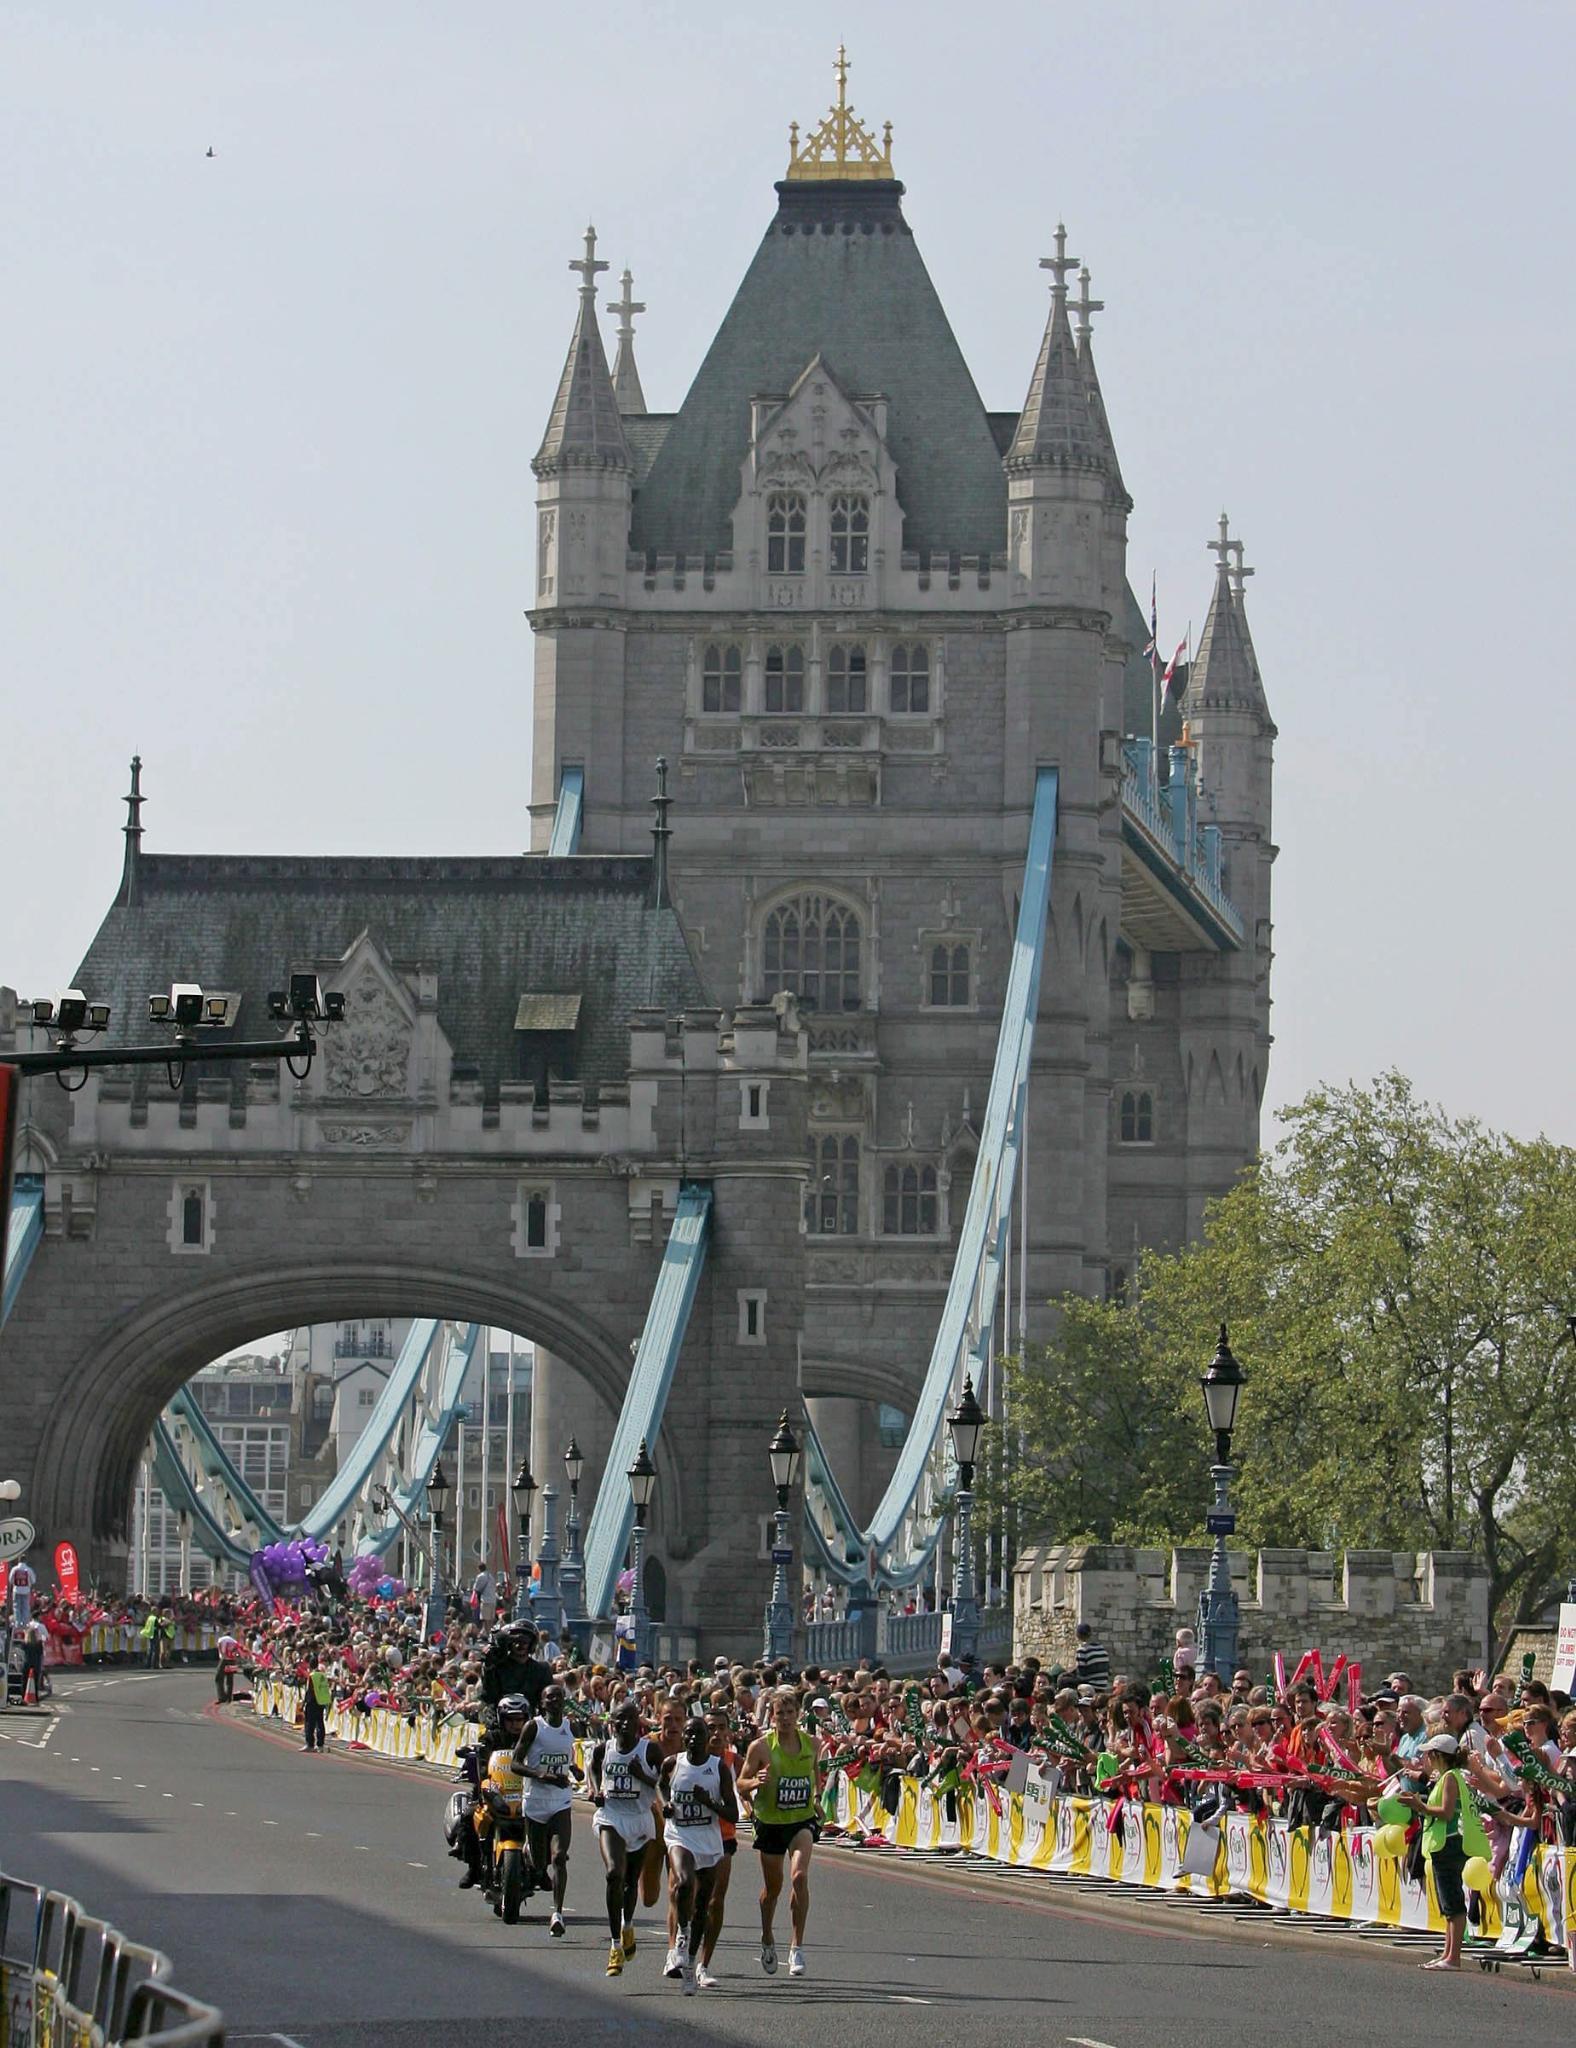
514 1706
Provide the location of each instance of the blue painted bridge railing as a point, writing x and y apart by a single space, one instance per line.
656 1360
1160 824
23 1236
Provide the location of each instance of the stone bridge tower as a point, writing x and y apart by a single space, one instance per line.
858 609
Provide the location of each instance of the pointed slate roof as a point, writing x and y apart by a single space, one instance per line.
1099 422
493 929
1225 668
838 274
583 428
626 378
1063 423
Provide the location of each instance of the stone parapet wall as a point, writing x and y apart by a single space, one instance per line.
1425 1612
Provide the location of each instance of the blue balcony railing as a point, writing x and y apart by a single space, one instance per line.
1167 814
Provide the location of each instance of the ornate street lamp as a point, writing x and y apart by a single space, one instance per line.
523 1487
572 1572
642 1476
438 1491
1221 1387
965 1423
785 1456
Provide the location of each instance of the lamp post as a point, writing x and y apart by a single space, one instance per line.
438 1500
523 1487
642 1476
572 1572
965 1422
1217 1603
549 1601
785 1455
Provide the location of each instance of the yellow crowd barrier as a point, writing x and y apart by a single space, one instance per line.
383 1730
1329 1875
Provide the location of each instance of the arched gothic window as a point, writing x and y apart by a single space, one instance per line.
1136 1122
908 1201
722 670
850 534
910 676
949 977
832 1199
810 947
784 678
785 520
846 677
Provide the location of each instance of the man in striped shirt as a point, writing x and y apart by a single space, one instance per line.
1093 1660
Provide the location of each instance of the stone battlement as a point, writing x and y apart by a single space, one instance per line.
1424 1612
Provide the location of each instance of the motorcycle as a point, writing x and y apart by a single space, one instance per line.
486 1817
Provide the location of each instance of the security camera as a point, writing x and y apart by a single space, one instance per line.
186 1001
306 996
73 1010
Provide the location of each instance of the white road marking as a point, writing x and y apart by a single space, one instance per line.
137 1785
899 1998
314 1834
1086 2041
415 1866
270 1823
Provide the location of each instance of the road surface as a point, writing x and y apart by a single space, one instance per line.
311 1898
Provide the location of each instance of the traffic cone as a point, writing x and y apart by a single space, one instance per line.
30 1692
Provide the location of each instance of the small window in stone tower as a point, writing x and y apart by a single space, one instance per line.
1136 1122
785 534
832 1198
850 535
908 1201
949 977
536 1220
194 1218
910 676
784 678
846 675
721 673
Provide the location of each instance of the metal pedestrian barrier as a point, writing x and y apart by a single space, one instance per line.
70 1980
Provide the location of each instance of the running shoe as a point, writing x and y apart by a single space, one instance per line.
769 1958
705 1979
615 1960
629 1941
796 1962
674 1966
555 1926
689 1975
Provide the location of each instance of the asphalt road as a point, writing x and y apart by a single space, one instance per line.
311 1898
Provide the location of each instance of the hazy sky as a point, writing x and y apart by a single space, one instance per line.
266 419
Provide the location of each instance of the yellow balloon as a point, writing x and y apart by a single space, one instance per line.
1391 1840
1478 1874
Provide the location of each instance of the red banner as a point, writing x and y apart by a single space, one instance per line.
66 1570
503 1537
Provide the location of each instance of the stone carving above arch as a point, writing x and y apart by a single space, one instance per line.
368 1055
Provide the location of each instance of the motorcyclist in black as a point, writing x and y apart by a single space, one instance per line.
509 1717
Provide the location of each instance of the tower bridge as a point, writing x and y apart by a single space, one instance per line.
951 989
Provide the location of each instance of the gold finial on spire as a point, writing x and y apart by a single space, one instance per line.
842 146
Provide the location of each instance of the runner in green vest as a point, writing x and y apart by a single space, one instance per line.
780 1779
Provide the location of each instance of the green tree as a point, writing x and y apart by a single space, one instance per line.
1401 1290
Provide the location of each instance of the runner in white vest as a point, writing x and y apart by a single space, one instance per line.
697 1789
625 1771
545 1757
